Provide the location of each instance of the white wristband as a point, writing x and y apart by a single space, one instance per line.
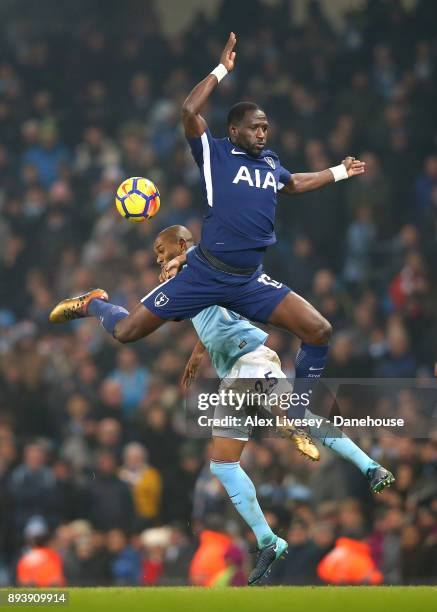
219 72
339 172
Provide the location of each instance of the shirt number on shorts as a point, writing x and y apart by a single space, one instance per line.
271 383
266 280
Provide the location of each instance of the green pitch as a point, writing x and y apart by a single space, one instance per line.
265 599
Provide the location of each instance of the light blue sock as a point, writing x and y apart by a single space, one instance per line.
333 438
107 313
243 495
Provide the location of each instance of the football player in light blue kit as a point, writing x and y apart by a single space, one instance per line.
237 351
241 179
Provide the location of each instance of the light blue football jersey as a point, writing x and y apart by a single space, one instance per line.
226 336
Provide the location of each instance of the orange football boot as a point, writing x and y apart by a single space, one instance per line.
302 441
76 307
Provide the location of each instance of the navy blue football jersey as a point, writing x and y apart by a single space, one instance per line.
241 195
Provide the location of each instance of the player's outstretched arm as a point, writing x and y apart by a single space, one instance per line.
194 123
308 181
193 365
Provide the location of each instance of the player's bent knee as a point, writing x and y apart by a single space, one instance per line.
125 333
325 332
121 336
322 332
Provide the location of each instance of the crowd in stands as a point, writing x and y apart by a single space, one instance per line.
99 483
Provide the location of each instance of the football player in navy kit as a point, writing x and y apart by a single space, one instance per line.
241 180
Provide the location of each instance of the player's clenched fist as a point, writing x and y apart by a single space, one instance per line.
354 166
227 57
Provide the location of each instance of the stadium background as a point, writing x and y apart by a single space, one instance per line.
93 460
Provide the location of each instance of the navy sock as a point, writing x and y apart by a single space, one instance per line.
107 313
311 360
310 363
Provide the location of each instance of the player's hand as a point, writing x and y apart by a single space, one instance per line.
227 57
170 269
354 166
190 373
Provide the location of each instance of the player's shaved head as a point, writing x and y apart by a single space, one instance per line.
171 242
176 233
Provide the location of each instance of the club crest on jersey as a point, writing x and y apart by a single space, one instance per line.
161 299
271 162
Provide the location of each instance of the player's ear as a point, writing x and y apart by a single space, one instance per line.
233 131
182 245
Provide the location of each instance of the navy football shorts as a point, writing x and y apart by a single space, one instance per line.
200 285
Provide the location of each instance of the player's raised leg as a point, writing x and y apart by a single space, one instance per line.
177 298
225 465
296 315
116 320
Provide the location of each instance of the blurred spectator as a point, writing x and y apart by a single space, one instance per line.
159 437
110 399
125 561
360 240
33 487
155 542
144 480
385 543
209 559
40 566
384 71
410 283
47 156
87 563
413 557
349 563
352 524
109 436
344 361
70 496
179 489
304 554
132 378
177 557
110 500
209 496
233 574
398 362
95 154
303 265
425 184
372 190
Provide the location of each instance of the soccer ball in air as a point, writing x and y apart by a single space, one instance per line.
137 199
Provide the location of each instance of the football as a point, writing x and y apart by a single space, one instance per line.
137 199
